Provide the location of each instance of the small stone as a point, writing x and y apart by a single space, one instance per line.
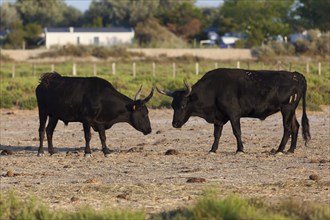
10 173
122 196
74 199
196 180
314 161
7 152
171 152
314 177
92 180
133 149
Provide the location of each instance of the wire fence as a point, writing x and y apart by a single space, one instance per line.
135 69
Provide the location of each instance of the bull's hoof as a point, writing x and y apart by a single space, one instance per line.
212 153
41 154
107 155
290 151
106 151
88 155
240 153
279 153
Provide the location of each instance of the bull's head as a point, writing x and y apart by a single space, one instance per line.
181 104
139 113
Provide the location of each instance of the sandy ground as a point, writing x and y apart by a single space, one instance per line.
138 175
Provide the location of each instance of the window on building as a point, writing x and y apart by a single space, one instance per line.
96 41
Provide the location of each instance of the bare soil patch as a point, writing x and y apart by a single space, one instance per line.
141 174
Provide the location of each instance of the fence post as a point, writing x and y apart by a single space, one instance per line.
113 68
197 68
52 68
307 67
173 64
13 73
238 65
134 69
290 66
216 65
319 68
94 69
74 69
153 69
279 63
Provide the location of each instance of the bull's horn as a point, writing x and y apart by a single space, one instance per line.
188 87
165 92
146 99
137 95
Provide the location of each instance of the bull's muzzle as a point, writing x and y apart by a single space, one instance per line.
176 124
148 131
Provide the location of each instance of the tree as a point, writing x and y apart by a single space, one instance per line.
182 18
45 13
257 19
15 38
8 16
72 17
314 14
121 13
32 34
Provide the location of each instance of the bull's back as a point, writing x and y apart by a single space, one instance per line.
70 98
251 93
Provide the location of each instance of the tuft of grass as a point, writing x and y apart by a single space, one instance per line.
234 207
209 206
32 209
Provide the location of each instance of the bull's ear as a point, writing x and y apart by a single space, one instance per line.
131 107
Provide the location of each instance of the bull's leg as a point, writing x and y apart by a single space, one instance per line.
105 149
217 135
42 126
294 134
49 131
236 126
287 125
87 134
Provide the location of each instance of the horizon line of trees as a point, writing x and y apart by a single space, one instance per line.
166 20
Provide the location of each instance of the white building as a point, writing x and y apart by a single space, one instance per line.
88 36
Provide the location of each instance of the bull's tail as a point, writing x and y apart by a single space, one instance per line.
304 120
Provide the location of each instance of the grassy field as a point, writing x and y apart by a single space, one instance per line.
207 206
18 90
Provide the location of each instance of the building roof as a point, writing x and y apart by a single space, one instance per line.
83 29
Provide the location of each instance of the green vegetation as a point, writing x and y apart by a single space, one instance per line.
32 209
19 91
234 208
166 22
207 207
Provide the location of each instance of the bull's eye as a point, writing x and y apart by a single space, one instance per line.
184 105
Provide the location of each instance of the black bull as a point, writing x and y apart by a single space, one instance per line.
223 95
90 100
